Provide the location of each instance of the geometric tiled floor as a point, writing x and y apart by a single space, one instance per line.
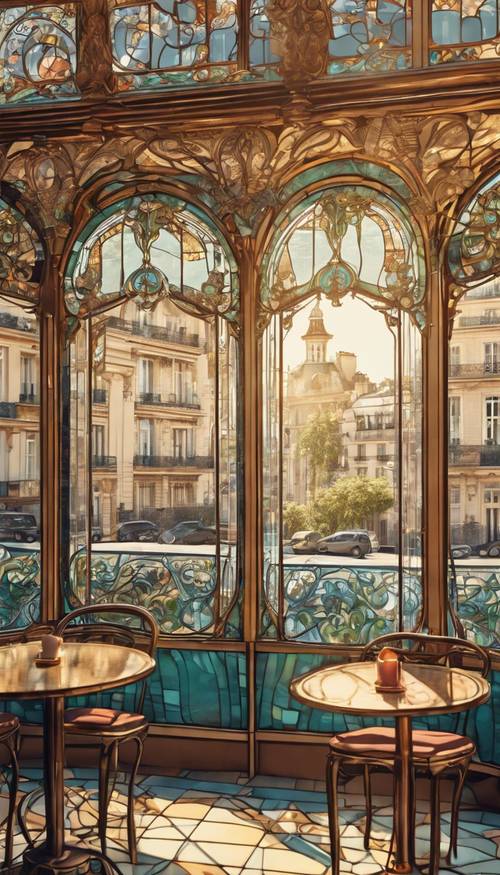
198 823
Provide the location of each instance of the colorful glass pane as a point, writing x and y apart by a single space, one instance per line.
371 36
465 30
37 52
20 256
174 42
474 250
146 249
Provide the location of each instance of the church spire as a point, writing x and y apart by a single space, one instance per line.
316 336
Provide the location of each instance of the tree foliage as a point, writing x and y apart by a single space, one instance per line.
295 518
349 503
321 441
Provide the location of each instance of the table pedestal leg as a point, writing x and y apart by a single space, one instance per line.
54 855
403 802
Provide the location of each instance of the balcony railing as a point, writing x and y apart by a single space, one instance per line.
483 319
8 410
383 457
480 456
375 434
99 396
19 488
174 461
156 332
28 398
171 401
475 370
18 323
104 462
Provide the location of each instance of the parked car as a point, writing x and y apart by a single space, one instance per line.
305 542
189 532
491 548
138 530
18 527
346 543
374 542
460 551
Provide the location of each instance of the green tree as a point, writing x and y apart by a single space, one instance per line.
295 518
320 440
349 503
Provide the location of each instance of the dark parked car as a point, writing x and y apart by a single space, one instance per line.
491 548
189 532
138 530
346 543
18 527
460 551
304 542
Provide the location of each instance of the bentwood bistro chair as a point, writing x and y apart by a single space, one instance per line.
9 742
107 727
436 754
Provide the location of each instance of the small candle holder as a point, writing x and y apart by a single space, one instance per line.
388 672
50 652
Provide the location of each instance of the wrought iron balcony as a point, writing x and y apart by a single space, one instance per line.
8 410
475 370
18 323
483 319
99 396
171 401
19 488
375 434
155 332
474 456
104 462
174 461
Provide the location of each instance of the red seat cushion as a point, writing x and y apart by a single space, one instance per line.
8 723
381 741
102 719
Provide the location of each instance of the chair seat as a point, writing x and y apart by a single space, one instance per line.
380 741
8 723
102 720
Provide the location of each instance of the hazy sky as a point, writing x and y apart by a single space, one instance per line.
355 327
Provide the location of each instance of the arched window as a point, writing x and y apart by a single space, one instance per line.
474 417
143 397
21 262
342 297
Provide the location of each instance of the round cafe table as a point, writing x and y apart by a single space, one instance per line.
86 667
428 690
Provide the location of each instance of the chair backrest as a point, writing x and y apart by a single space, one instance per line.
83 624
431 650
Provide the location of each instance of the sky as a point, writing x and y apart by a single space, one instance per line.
355 327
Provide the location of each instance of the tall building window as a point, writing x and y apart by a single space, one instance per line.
4 364
145 376
98 446
28 379
31 461
491 358
145 437
493 421
454 419
146 496
183 443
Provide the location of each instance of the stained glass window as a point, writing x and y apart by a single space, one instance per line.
171 42
465 30
341 306
21 261
37 51
474 419
152 377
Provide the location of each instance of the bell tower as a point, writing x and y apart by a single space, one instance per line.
316 336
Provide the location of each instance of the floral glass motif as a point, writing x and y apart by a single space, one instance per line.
21 256
37 51
474 250
371 36
345 222
465 30
139 249
174 42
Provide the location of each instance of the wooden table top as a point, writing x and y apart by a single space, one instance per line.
429 689
85 667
